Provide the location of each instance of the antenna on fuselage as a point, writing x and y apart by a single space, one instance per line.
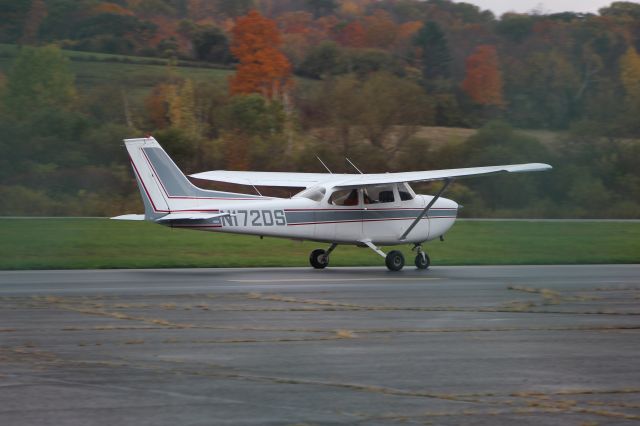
354 166
325 166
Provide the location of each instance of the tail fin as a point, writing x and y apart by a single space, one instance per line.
164 188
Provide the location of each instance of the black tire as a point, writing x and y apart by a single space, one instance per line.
395 260
423 263
319 259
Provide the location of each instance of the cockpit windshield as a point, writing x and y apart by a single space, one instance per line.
406 192
315 193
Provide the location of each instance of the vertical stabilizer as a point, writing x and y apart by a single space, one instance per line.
164 188
155 201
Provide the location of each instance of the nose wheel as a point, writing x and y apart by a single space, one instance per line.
422 258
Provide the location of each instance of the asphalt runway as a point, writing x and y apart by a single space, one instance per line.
532 345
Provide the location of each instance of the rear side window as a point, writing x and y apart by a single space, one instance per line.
378 194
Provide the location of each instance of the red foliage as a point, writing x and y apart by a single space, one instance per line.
353 35
483 82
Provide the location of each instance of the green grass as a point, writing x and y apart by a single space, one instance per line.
101 243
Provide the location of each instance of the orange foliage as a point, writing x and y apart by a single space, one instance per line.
483 81
263 68
380 29
227 25
409 29
353 35
405 36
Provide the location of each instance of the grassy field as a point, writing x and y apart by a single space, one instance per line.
101 243
122 72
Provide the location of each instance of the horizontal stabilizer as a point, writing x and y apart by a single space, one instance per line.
129 217
190 216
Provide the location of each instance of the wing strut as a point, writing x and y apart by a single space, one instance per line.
447 182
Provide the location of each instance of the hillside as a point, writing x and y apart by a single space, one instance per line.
137 75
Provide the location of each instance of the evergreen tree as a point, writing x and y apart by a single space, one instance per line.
436 57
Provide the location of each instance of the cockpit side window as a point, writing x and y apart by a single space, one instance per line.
378 194
345 197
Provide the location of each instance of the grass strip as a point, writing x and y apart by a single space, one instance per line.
74 243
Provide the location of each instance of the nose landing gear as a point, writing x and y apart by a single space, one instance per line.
422 258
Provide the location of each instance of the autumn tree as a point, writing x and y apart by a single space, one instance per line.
353 35
380 30
406 34
263 68
36 15
483 81
630 72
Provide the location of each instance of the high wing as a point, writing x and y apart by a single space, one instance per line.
307 180
432 175
297 180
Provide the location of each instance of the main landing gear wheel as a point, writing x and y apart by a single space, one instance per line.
422 261
319 259
395 260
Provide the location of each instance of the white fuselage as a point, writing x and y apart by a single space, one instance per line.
306 219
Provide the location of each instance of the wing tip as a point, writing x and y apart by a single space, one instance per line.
529 167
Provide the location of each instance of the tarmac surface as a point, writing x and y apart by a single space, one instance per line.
533 345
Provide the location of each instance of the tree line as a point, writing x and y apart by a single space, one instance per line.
362 79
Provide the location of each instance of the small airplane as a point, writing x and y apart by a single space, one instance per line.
367 210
